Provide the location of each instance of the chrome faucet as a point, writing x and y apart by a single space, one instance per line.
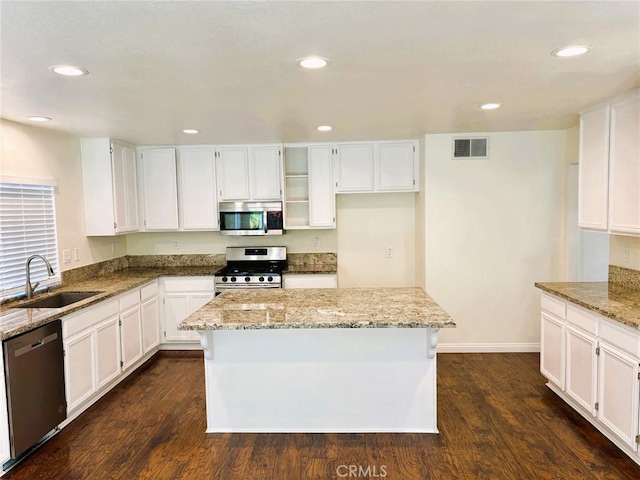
28 287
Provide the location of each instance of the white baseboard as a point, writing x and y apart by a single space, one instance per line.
487 347
181 346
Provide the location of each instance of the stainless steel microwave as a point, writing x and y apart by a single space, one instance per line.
251 218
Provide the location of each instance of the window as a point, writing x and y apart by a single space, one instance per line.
27 227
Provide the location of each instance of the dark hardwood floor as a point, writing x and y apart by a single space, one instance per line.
497 421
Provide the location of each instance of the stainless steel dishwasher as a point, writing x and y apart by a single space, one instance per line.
34 369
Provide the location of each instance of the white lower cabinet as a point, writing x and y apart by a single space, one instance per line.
552 356
314 280
104 342
182 296
89 346
618 393
150 317
581 368
107 351
130 328
601 362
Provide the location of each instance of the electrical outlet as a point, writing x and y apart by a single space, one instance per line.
76 254
625 255
389 252
113 247
176 244
316 241
66 256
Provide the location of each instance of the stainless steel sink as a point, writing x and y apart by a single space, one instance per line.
57 300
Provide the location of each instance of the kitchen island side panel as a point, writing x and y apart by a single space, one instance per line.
321 380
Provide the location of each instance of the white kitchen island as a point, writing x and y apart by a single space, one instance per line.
320 360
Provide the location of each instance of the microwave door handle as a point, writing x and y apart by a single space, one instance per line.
264 219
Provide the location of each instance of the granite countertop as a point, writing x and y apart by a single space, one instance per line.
14 321
319 308
618 302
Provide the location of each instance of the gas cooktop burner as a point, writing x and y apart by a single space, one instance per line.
252 267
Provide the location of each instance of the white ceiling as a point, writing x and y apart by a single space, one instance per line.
398 69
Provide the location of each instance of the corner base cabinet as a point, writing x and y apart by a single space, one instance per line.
182 296
593 363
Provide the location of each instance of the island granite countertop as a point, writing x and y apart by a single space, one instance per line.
617 302
319 308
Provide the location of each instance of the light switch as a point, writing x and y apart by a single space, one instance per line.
66 256
76 254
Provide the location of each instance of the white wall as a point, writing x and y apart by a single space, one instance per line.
367 225
624 251
35 152
296 241
493 228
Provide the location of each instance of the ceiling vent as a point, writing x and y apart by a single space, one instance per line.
471 148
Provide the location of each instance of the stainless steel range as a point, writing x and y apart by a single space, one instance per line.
251 267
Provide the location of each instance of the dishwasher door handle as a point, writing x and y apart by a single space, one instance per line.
29 348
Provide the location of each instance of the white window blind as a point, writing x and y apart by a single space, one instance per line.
27 227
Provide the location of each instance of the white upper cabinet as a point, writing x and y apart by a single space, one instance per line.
251 172
624 166
232 169
265 167
197 188
354 167
396 166
609 168
322 197
309 194
376 167
110 187
158 196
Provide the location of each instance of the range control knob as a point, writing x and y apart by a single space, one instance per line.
269 279
247 279
224 279
261 279
233 279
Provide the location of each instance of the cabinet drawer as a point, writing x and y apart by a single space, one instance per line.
553 305
88 317
149 291
582 319
129 300
620 337
187 284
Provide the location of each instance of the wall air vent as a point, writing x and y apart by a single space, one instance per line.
471 148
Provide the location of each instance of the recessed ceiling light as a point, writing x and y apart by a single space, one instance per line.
571 51
324 128
313 62
38 118
190 131
490 106
68 70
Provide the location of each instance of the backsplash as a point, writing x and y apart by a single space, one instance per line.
311 261
94 270
624 276
187 260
